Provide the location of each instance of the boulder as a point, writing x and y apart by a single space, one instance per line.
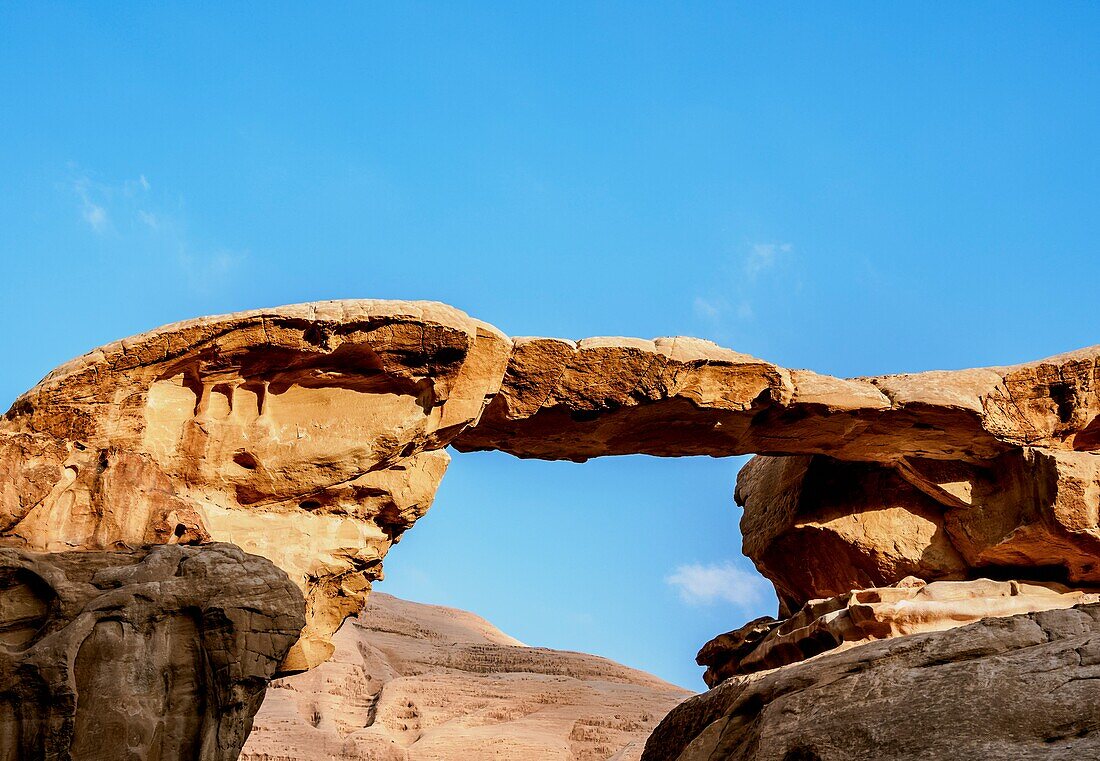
159 653
819 527
1022 687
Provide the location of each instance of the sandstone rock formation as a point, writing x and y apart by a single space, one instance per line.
909 607
683 396
312 435
412 682
1024 687
158 654
1027 514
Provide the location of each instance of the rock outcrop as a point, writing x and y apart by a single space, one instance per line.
1025 687
411 682
157 654
1028 514
312 435
909 607
315 435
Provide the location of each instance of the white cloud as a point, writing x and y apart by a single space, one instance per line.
709 583
137 217
149 218
762 257
92 212
207 272
748 279
706 309
95 216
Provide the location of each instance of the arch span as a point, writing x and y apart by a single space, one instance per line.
314 435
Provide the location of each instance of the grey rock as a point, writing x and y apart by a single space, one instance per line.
155 654
1020 687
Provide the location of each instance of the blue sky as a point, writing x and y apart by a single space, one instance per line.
855 188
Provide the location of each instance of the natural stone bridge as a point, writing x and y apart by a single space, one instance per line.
314 435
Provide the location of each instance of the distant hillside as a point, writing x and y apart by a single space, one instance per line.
412 682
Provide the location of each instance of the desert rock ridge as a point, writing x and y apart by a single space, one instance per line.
420 682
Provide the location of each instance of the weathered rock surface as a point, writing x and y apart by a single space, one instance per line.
314 435
309 434
155 654
1030 513
1024 687
415 682
863 615
683 396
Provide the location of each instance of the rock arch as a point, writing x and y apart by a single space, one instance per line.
314 435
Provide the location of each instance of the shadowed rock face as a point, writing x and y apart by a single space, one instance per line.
312 435
1024 687
156 654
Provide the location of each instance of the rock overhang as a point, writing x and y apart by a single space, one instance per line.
315 435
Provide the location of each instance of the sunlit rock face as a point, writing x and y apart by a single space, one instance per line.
312 435
1027 514
684 396
414 682
157 654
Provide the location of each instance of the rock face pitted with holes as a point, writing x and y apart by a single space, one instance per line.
312 435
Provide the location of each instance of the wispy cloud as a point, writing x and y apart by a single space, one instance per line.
752 272
707 309
94 214
710 583
762 257
130 211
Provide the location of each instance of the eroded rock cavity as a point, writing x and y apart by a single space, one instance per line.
312 435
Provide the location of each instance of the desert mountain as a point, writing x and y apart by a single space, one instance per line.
413 682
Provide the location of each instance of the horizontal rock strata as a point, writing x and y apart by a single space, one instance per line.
684 396
864 615
157 653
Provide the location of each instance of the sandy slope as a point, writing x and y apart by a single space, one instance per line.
412 682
